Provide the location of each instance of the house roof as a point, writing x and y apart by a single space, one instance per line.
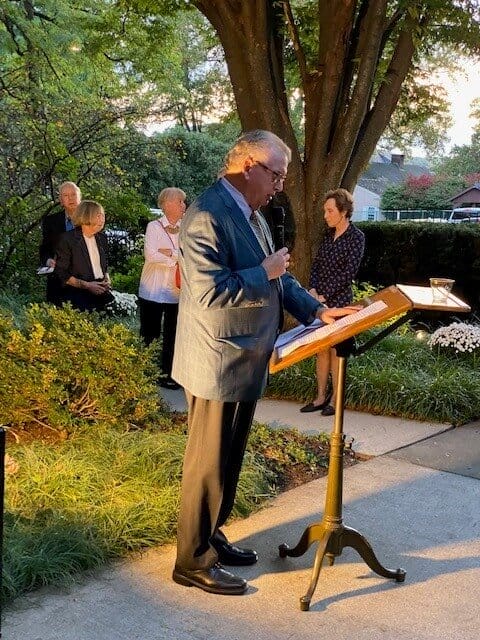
380 175
474 187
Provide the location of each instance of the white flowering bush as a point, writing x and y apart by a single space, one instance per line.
123 304
458 337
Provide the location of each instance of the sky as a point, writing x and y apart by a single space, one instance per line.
461 92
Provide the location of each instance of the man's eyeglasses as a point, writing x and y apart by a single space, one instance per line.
277 177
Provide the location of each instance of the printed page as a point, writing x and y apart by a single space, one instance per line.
289 341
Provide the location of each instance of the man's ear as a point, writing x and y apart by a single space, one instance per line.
248 163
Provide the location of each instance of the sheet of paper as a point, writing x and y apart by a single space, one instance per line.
297 332
289 341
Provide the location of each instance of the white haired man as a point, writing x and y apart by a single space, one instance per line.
234 288
53 227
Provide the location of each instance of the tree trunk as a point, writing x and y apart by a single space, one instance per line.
348 96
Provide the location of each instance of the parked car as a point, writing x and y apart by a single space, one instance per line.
465 214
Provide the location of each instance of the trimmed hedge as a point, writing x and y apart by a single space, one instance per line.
410 253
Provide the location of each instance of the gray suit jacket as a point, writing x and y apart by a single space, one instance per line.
229 313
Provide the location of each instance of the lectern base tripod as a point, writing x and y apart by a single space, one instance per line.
331 534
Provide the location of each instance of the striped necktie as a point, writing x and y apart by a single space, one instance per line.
258 231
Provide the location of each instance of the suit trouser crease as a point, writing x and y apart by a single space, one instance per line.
152 315
218 434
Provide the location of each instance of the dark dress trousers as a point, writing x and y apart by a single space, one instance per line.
73 259
53 227
229 317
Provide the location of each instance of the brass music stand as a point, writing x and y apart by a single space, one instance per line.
331 534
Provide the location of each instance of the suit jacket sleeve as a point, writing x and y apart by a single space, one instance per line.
298 301
219 274
53 226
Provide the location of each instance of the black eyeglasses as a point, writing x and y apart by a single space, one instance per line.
277 177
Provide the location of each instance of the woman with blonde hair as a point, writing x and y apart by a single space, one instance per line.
81 264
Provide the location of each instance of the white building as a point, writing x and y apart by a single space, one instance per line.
366 205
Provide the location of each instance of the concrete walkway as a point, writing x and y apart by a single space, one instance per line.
416 517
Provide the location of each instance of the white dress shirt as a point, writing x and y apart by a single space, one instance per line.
157 282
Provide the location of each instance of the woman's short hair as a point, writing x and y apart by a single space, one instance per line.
256 142
86 212
343 200
168 194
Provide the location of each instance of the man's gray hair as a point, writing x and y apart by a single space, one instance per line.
64 185
254 142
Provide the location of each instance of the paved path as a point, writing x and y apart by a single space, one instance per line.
426 521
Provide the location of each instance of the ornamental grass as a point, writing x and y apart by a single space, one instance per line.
400 376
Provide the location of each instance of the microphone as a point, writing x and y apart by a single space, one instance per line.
278 218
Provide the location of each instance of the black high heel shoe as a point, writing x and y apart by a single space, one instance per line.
310 407
328 410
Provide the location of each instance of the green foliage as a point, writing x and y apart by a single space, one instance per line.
97 496
176 157
423 192
363 290
74 506
68 79
62 368
283 452
400 376
462 160
421 117
129 277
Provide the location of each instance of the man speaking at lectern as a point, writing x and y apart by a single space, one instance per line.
234 288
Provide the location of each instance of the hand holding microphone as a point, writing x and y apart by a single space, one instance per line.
276 263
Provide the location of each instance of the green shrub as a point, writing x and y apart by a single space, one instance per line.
128 280
410 253
63 367
399 376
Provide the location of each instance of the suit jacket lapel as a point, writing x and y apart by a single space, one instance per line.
239 220
83 247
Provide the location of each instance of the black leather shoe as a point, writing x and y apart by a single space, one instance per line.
214 580
234 556
308 408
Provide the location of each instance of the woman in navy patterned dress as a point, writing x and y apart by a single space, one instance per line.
333 270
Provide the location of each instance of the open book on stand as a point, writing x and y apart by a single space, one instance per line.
304 341
302 335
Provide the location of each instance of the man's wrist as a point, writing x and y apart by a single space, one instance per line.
320 309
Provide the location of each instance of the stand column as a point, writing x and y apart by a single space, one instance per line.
332 536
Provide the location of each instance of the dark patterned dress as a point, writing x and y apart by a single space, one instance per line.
336 265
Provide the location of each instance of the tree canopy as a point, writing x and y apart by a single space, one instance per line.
77 77
352 59
423 192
